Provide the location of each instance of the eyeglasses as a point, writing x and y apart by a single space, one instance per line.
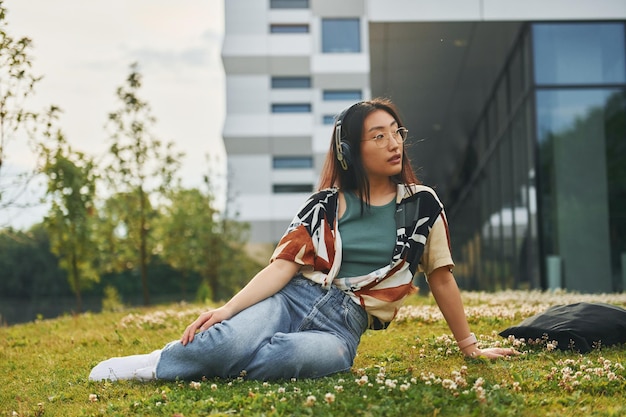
382 139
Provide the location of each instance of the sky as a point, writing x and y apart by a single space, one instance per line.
84 49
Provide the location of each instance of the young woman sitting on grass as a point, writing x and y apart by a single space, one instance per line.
345 264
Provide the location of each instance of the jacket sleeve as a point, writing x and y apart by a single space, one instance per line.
437 250
309 239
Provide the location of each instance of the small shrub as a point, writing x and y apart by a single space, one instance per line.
112 300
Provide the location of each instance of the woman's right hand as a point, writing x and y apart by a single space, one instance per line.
266 283
203 322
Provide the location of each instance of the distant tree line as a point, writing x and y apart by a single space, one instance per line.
31 272
121 219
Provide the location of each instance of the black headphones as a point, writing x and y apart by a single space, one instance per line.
342 147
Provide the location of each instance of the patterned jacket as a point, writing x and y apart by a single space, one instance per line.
313 241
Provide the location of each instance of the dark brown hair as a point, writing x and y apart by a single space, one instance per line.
354 178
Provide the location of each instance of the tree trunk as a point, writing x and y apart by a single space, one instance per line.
76 277
183 284
143 253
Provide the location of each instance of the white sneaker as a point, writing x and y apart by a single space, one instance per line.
139 367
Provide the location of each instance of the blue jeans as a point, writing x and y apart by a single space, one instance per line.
303 331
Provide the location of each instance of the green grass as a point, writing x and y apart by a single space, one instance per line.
412 368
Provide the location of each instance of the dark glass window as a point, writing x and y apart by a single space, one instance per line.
341 36
573 128
516 76
329 119
291 82
292 188
292 162
332 95
501 104
289 4
579 53
291 108
283 28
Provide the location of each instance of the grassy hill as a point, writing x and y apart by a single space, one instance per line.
412 368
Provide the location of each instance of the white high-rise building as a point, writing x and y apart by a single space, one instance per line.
515 111
285 82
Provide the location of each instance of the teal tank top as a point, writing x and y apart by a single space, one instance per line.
367 241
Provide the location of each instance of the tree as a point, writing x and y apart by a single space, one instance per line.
71 190
141 169
29 269
188 235
236 267
196 237
17 84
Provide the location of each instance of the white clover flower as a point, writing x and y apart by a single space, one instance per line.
92 398
480 394
362 381
449 384
310 401
213 387
391 383
195 385
329 398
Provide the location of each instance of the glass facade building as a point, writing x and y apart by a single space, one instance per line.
516 113
543 204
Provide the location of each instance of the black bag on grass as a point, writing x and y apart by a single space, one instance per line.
579 326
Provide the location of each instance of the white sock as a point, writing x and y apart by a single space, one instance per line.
140 367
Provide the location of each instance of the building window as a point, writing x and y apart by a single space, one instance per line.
292 162
578 128
579 53
292 188
291 82
341 36
334 95
289 4
291 108
295 28
328 119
